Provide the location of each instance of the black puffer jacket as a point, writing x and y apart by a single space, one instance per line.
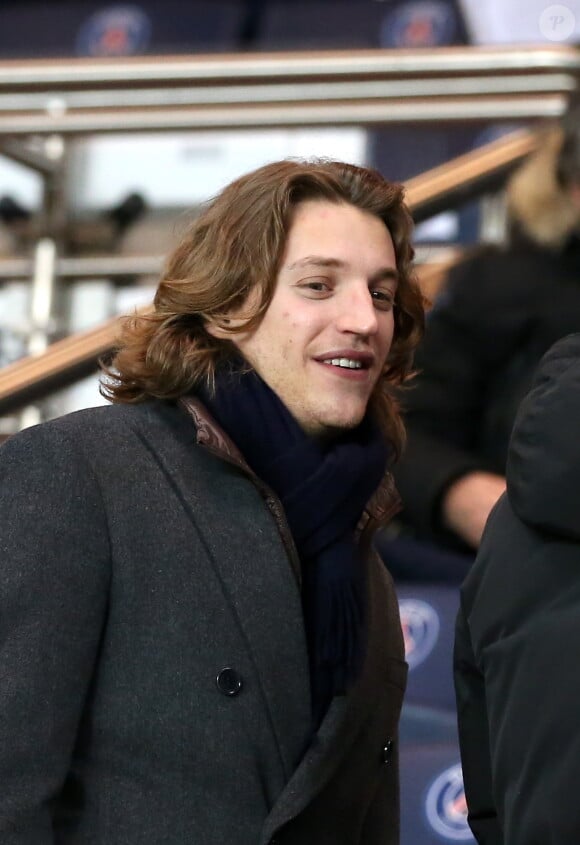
517 651
500 312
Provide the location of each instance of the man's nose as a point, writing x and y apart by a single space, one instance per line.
358 313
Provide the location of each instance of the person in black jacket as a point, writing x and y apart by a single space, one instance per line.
500 311
517 648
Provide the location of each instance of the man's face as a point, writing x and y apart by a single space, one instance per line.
322 343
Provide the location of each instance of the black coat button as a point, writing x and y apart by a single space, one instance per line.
387 752
228 681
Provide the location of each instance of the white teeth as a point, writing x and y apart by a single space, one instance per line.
344 362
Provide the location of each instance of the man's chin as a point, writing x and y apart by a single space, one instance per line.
334 425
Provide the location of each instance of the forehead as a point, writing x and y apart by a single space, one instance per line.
338 229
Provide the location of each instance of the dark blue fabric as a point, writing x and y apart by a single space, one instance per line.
323 487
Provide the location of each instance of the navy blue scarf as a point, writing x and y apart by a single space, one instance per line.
323 488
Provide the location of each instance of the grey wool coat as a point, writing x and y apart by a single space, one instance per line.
139 559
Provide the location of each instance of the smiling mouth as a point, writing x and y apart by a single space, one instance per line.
346 363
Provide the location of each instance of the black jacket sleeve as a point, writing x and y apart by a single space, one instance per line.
474 739
54 577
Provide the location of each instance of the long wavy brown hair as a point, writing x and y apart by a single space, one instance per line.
234 247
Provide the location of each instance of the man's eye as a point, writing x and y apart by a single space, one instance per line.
383 298
317 285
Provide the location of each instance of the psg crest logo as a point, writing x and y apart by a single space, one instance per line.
420 624
115 31
422 24
446 808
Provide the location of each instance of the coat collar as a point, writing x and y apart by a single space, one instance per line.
214 438
210 434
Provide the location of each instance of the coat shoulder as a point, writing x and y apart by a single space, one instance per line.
100 425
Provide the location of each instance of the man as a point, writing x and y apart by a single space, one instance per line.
195 644
517 646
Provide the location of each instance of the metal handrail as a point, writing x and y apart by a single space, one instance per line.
523 107
89 267
79 74
364 87
282 92
71 358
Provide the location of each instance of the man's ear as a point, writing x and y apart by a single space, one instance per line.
226 328
219 328
234 326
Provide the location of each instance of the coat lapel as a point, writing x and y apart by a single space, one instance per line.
249 558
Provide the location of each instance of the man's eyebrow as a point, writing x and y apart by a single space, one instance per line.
387 274
384 274
316 261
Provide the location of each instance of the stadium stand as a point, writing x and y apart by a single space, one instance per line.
87 28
